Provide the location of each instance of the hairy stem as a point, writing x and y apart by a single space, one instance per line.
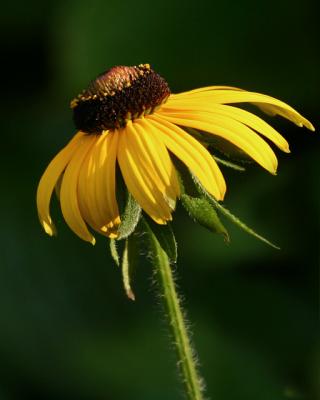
187 363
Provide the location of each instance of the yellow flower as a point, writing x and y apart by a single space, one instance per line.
127 116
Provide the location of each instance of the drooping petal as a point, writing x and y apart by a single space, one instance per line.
49 180
227 96
138 175
154 150
192 154
231 130
69 191
86 191
235 113
105 183
96 186
291 115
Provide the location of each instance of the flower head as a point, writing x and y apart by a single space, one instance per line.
128 118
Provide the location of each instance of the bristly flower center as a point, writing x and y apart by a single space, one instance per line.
117 96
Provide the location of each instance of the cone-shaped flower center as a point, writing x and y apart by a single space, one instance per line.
118 95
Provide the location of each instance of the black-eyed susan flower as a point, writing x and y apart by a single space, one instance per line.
128 119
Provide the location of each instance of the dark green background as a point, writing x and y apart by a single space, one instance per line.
66 329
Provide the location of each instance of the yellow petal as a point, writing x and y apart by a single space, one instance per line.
49 180
223 96
204 89
69 191
291 115
139 178
192 154
235 113
156 158
86 190
97 186
106 182
233 131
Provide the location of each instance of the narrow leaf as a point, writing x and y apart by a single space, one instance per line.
201 211
242 225
230 216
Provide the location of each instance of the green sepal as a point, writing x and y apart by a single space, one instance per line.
129 261
202 212
198 207
129 217
186 182
114 251
229 215
164 235
129 209
228 163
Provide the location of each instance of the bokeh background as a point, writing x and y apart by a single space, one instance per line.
67 331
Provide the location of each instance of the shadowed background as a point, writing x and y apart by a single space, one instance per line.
66 328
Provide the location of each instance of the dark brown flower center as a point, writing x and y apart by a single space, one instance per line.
118 95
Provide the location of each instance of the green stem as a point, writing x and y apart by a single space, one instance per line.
187 363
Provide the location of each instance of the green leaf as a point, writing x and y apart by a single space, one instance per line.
230 216
164 235
242 225
201 211
129 217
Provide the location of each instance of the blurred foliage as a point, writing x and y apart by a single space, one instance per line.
66 328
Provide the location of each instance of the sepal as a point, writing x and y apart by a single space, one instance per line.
165 236
129 260
114 251
197 205
129 209
126 257
202 212
228 163
129 217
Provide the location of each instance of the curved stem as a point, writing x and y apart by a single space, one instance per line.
187 362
